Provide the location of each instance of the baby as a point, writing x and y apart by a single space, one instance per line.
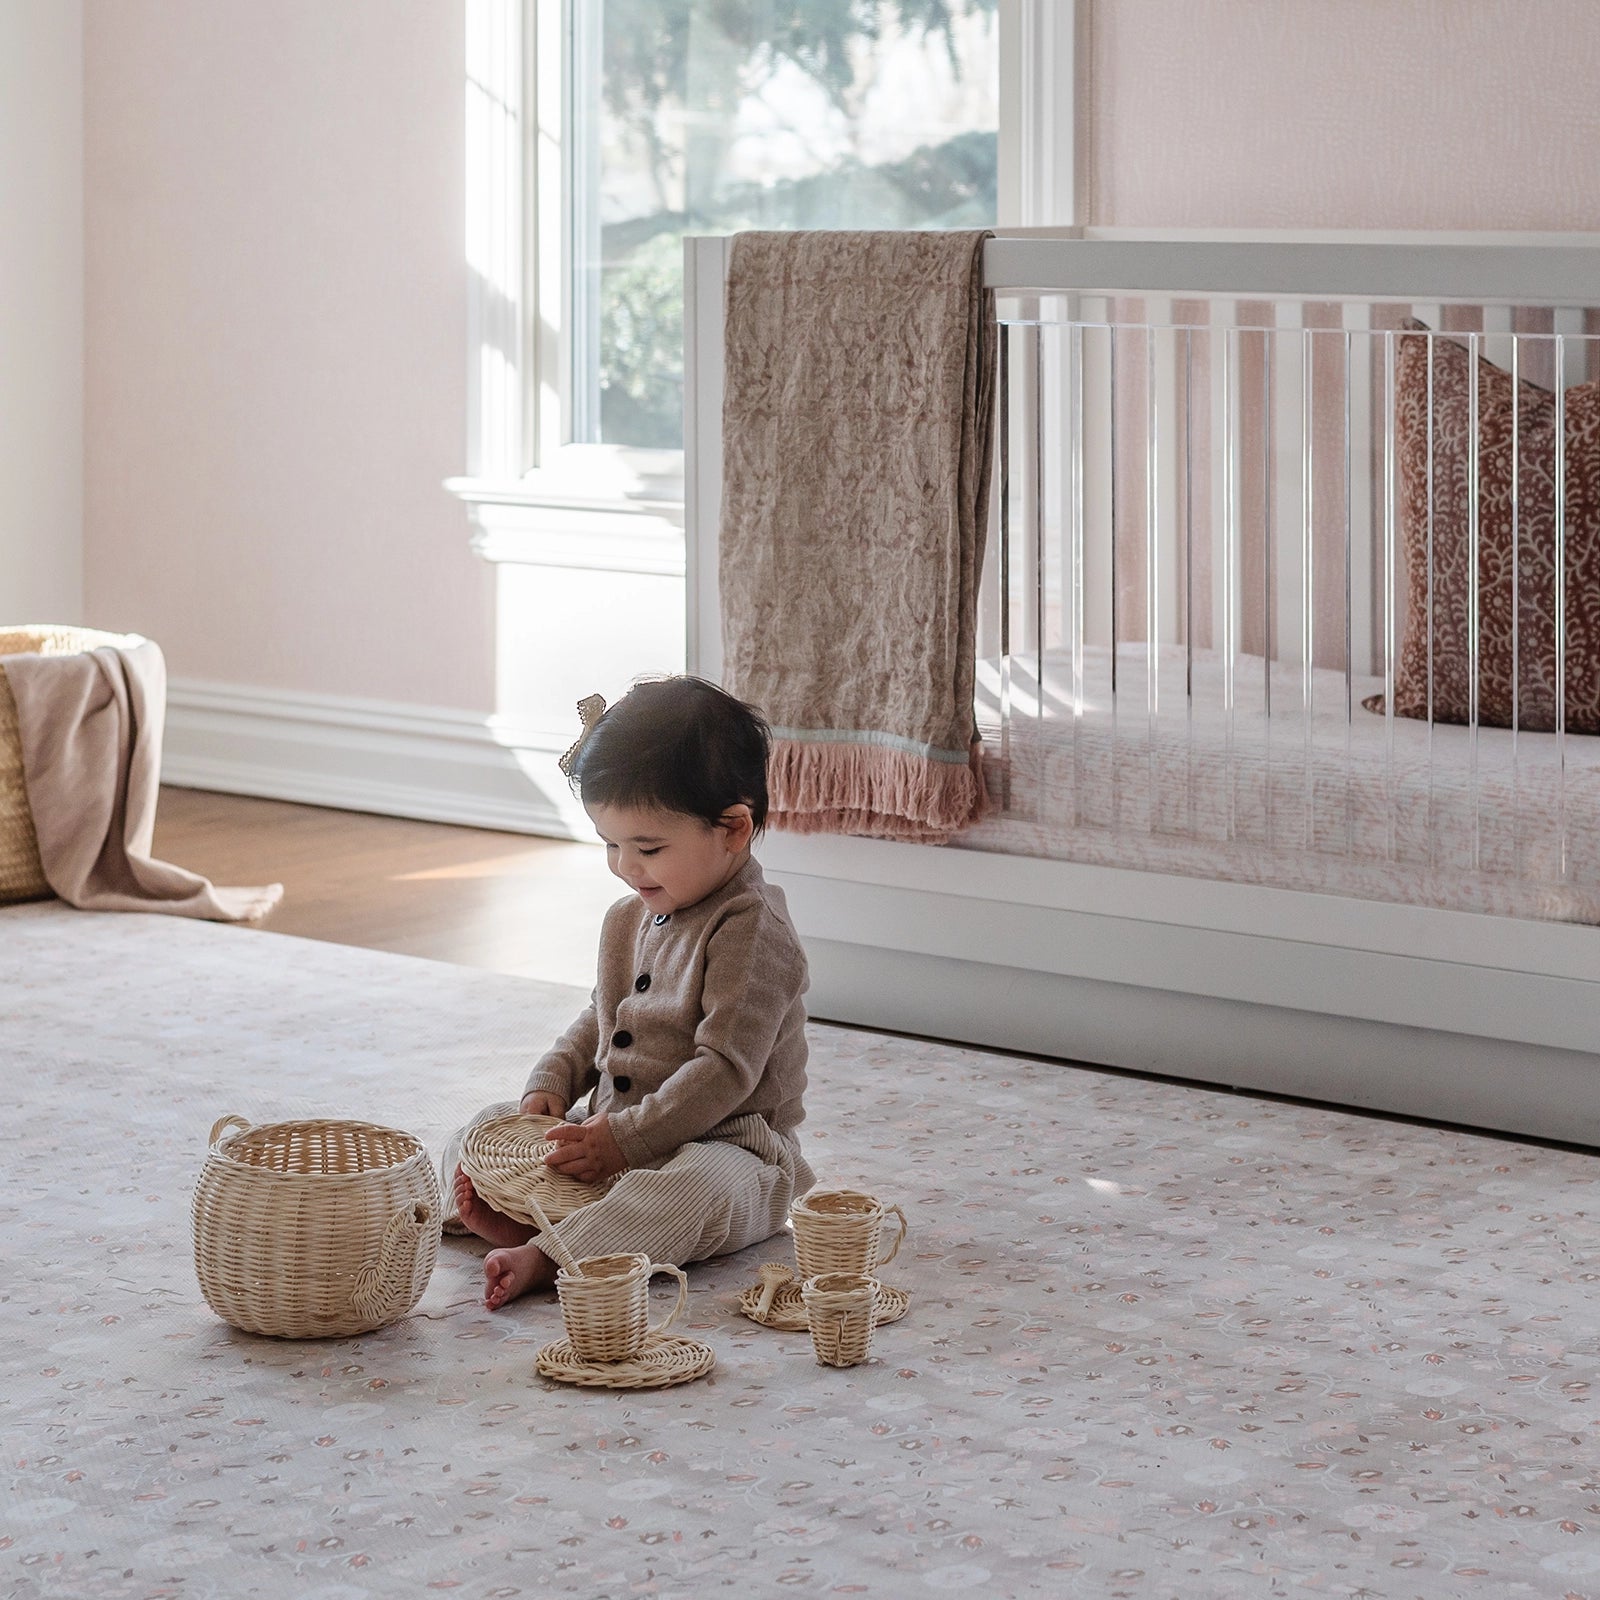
693 1043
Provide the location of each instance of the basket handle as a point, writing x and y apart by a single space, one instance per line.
237 1123
682 1300
884 1261
380 1283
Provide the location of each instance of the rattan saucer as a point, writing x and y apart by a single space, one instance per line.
504 1157
788 1311
666 1359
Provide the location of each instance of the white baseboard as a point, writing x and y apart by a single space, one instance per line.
434 764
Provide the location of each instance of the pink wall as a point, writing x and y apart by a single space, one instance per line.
276 372
41 311
1344 113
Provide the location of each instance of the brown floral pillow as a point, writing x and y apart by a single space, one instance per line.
1532 558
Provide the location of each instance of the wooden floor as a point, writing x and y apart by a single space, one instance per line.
504 901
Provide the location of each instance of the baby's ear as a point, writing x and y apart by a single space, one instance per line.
738 825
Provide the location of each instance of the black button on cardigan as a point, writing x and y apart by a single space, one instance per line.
642 982
622 1084
622 1039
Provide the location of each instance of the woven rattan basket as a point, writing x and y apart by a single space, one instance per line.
318 1229
21 876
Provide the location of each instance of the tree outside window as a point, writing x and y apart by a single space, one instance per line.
712 116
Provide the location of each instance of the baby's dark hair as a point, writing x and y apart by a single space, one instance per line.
677 744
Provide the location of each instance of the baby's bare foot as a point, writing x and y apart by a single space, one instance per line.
514 1271
484 1220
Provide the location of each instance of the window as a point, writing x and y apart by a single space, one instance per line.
712 116
599 132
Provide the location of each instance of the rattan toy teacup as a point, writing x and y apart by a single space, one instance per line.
839 1308
605 1305
315 1229
840 1230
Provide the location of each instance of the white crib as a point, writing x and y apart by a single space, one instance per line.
1205 857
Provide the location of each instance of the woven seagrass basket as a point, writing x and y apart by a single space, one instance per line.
21 876
316 1229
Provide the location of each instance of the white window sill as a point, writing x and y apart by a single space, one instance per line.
597 508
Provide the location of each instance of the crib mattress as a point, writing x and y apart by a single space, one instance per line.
1289 783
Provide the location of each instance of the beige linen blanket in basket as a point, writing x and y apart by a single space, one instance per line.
90 724
857 441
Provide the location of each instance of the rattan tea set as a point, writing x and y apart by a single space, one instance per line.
326 1228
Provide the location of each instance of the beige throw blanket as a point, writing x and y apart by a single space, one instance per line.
857 440
90 726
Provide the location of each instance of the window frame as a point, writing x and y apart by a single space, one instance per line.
534 495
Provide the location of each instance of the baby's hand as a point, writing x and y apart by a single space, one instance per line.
587 1150
541 1104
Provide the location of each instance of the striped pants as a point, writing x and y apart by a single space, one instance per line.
730 1188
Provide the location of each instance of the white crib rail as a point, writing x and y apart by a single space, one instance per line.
1199 525
1554 270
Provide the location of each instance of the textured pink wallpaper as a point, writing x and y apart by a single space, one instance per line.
1344 113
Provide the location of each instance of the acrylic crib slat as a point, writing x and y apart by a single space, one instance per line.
1473 616
1518 822
1561 596
1077 423
1003 422
1391 623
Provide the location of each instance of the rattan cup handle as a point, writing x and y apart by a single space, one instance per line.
389 1277
217 1127
884 1261
682 1300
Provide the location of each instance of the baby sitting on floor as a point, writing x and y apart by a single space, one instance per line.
693 1042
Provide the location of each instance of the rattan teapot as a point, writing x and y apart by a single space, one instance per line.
315 1229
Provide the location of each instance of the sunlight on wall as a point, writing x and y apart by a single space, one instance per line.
494 248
